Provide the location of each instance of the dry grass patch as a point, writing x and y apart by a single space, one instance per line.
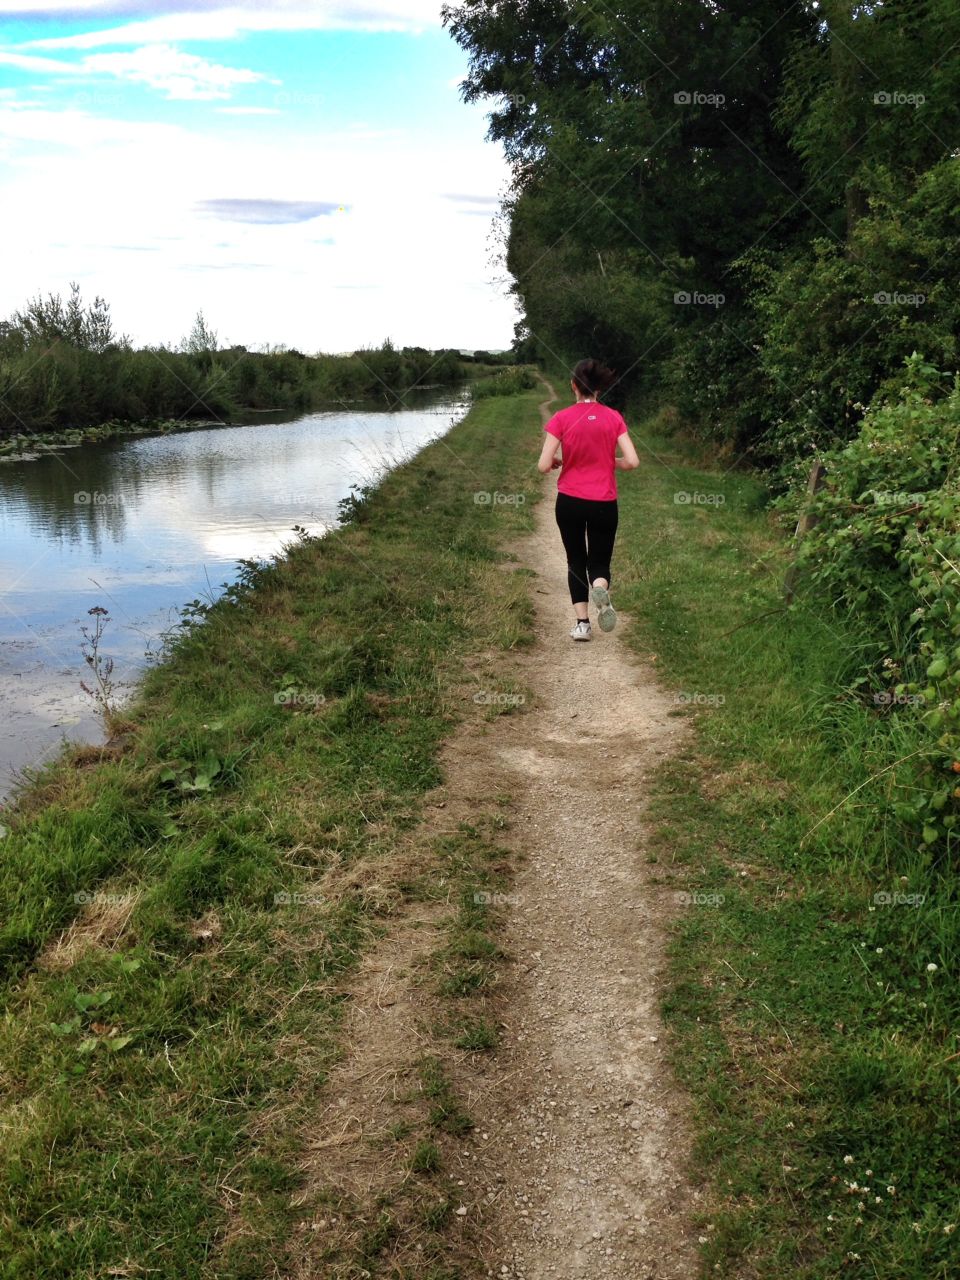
100 927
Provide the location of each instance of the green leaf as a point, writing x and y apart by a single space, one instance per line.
116 1043
65 1028
91 1000
937 668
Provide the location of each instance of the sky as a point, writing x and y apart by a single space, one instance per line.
305 173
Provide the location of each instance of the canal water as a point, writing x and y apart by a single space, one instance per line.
142 525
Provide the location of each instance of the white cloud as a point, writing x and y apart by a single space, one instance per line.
34 62
179 75
175 73
216 21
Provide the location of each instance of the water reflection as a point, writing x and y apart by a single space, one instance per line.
144 524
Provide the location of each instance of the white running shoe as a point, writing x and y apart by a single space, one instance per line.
607 615
582 630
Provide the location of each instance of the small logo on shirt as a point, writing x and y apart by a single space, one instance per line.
591 417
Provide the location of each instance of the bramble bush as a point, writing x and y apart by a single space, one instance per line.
886 550
509 382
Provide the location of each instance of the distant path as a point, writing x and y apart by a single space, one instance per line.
586 1123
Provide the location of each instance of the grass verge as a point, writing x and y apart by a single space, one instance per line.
814 993
171 958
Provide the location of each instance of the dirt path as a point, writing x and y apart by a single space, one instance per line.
586 1133
576 1166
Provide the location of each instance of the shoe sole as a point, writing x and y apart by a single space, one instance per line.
607 616
581 638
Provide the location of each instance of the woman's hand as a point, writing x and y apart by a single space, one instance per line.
628 460
557 464
547 461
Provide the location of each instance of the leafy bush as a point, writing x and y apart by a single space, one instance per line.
508 383
887 550
836 321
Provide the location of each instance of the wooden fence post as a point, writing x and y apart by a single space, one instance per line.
806 522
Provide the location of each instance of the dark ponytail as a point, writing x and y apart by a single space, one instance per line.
593 378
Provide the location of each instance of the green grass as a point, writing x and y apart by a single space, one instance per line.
426 1158
158 1081
477 1037
817 1046
446 1110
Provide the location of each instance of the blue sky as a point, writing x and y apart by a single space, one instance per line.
303 172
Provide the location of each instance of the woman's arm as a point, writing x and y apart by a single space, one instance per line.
548 454
629 460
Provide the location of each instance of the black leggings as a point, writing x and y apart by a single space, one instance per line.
588 529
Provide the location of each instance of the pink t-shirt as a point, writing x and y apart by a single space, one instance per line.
589 434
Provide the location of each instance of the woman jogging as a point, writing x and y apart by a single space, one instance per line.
587 435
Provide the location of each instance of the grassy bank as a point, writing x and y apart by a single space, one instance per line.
184 907
814 971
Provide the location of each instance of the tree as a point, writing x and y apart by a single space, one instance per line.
201 338
665 151
50 320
